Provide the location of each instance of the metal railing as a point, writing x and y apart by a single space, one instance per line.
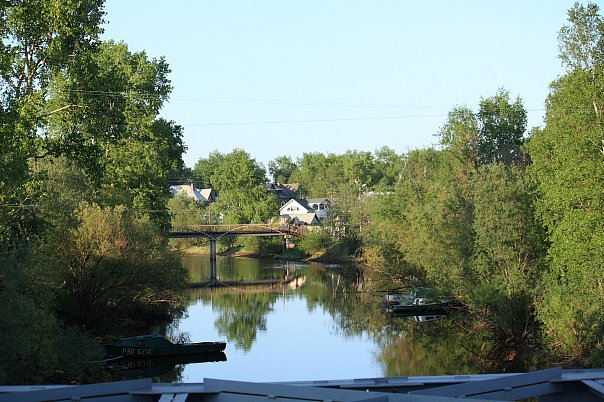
251 228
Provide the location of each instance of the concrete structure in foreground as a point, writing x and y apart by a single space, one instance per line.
546 385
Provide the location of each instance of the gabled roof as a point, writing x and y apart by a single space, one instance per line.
187 190
319 201
305 208
208 193
307 218
283 191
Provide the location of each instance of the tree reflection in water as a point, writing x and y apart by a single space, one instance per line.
242 315
404 346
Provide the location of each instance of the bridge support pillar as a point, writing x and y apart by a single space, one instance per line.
212 249
213 273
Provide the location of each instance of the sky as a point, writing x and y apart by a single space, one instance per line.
285 77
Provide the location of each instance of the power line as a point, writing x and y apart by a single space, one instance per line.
321 120
310 121
282 102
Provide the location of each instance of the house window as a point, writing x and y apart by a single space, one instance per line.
314 206
321 207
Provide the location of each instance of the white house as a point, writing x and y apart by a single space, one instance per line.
297 211
320 206
310 212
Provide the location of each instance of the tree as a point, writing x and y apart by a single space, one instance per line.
359 169
461 136
281 168
319 174
118 270
507 254
239 181
567 166
502 127
388 168
205 168
117 137
494 134
37 40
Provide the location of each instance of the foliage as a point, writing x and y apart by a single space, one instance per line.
437 234
239 181
502 126
388 168
506 261
118 270
315 241
33 343
262 246
37 39
281 168
117 138
567 166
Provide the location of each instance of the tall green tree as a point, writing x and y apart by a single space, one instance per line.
239 181
37 39
567 160
502 129
281 168
359 169
388 168
114 132
506 260
205 167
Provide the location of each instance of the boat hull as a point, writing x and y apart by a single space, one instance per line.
150 350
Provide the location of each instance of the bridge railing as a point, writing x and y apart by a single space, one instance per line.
238 228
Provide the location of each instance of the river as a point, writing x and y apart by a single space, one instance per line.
326 325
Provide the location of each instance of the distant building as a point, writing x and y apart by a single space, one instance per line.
283 192
206 195
320 206
300 211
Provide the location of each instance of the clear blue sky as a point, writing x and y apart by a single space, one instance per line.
337 75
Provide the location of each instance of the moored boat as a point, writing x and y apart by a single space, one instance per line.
156 345
419 301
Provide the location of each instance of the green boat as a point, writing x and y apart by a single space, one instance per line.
156 345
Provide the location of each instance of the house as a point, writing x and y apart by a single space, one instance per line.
297 211
283 192
206 195
209 194
320 206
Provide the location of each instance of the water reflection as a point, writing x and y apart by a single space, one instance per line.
131 367
242 314
335 309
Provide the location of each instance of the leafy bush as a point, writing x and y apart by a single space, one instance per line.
315 241
263 246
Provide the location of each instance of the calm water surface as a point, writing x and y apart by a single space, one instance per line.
331 326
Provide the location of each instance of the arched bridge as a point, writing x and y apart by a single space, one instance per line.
214 232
